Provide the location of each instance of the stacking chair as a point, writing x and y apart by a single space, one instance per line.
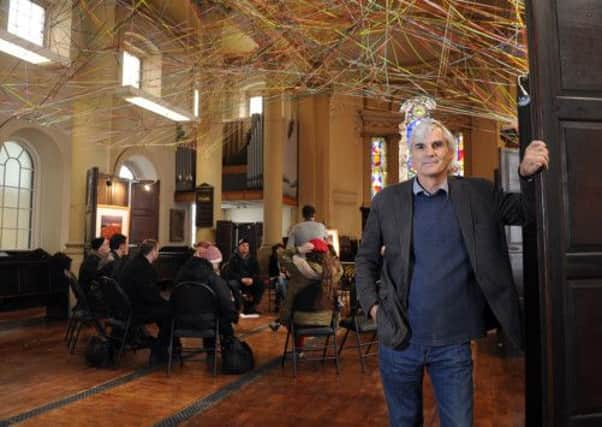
195 316
326 332
297 330
359 324
81 315
273 295
120 316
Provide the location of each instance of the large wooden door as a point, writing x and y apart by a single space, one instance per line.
144 217
565 56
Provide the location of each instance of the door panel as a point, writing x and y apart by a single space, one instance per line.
144 223
566 82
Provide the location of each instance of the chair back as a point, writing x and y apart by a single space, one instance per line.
195 305
115 298
80 295
313 298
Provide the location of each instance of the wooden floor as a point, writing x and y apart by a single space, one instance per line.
42 384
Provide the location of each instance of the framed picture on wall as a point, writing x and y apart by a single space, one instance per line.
111 220
177 219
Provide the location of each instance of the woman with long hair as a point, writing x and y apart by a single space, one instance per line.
314 273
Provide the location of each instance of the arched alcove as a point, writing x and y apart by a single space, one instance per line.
51 185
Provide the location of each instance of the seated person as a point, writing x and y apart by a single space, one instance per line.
278 275
199 268
242 272
211 253
92 267
139 280
312 290
117 256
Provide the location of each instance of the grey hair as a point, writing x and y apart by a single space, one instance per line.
424 127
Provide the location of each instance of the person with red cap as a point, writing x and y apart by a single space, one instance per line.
314 274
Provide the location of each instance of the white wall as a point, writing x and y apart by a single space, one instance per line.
255 214
248 214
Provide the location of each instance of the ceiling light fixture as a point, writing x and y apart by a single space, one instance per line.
154 104
22 53
27 51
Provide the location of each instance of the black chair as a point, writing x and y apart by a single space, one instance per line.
120 317
359 324
81 315
310 331
273 295
195 308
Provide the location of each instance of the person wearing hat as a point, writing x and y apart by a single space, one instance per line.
314 274
243 273
201 267
210 252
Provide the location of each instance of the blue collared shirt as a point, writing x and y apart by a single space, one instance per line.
417 188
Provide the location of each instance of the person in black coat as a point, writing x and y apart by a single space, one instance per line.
445 262
200 269
243 272
118 256
96 259
139 280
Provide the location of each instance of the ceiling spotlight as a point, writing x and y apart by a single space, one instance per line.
147 187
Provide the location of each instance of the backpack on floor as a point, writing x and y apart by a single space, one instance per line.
237 357
99 352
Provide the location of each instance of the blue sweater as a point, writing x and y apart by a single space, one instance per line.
445 304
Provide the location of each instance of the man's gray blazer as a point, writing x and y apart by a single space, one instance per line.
482 212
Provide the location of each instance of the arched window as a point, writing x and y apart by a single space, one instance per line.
126 173
16 196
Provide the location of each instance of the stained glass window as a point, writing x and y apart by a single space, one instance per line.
378 165
459 153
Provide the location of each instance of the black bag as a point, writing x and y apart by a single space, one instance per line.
99 352
237 357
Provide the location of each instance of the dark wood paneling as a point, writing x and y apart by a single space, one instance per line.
115 194
579 28
583 265
586 421
144 212
584 187
565 37
91 204
585 353
10 279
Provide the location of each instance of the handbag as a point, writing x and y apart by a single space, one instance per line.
237 357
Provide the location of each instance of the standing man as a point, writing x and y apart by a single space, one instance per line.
445 263
309 229
243 272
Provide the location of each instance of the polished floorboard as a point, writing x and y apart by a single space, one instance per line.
43 385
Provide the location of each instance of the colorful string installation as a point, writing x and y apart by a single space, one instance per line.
465 54
378 164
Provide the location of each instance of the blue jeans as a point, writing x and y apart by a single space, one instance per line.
450 369
281 285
